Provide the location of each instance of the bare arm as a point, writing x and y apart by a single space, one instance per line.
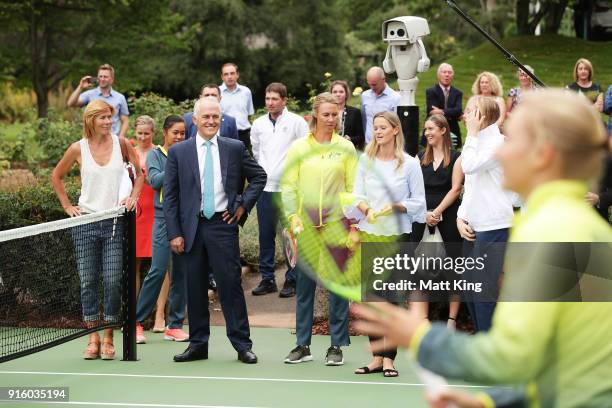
71 156
130 202
73 99
502 111
508 105
455 190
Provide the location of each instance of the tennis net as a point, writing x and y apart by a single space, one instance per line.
65 279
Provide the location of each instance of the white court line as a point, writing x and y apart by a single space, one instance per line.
122 404
193 377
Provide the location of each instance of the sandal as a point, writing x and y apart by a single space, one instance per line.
107 352
366 370
159 329
92 351
390 372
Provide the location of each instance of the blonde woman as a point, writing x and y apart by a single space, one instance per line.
485 214
488 84
557 354
145 130
583 83
319 171
98 155
388 181
515 94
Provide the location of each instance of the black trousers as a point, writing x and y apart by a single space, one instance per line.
216 246
245 137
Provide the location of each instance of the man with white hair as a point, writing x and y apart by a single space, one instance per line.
379 98
444 99
204 202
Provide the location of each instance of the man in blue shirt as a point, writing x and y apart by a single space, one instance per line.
104 91
228 123
379 98
608 108
237 101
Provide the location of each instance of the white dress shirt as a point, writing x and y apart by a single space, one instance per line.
220 196
485 205
237 103
271 141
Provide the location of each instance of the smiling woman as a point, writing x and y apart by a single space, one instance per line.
100 160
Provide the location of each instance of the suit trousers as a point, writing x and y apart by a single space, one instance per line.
216 246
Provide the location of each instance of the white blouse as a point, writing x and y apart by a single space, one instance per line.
379 183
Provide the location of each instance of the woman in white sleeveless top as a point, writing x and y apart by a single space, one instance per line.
98 249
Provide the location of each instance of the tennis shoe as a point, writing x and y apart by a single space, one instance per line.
176 335
334 356
300 354
140 337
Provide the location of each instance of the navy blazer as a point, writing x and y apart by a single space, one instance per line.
434 96
182 187
228 126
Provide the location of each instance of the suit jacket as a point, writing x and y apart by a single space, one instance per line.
353 126
228 126
434 96
182 186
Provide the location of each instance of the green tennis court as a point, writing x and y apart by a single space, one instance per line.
156 381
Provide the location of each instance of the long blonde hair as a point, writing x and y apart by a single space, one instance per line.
495 83
94 109
447 144
373 147
320 99
571 125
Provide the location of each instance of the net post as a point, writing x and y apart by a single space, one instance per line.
129 292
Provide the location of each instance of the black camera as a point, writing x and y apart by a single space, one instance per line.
93 80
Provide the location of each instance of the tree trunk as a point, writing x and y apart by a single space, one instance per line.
39 41
522 18
555 16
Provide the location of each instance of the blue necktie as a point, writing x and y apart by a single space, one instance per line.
208 190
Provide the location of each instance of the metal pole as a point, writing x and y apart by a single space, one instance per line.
129 292
507 54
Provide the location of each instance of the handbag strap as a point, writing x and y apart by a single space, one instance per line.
124 153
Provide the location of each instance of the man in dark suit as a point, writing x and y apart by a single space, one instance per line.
228 123
444 99
204 201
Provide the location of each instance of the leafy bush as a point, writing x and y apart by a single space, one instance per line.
14 150
158 107
16 104
54 137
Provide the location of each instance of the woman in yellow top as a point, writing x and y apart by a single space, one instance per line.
318 178
556 354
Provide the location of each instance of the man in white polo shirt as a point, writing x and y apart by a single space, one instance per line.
236 101
271 136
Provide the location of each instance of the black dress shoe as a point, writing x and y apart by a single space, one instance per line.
192 354
265 287
247 357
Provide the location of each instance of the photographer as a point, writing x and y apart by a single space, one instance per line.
104 91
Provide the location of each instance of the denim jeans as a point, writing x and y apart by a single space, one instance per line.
155 278
99 253
482 312
268 213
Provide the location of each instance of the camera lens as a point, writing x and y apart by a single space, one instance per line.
391 32
401 32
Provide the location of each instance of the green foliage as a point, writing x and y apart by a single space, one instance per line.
15 104
34 204
14 151
54 137
158 107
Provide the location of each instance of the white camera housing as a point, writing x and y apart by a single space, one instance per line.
406 53
404 30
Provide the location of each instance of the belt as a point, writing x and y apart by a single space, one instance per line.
215 215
